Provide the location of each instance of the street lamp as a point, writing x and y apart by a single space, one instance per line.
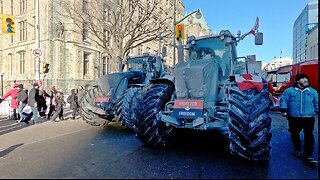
1 76
198 15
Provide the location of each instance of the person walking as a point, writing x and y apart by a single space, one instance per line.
14 103
53 94
81 92
58 101
32 102
299 104
42 104
22 100
73 101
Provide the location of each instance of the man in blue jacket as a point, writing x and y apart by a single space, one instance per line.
299 104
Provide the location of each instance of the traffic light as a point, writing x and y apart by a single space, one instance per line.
180 31
45 68
7 24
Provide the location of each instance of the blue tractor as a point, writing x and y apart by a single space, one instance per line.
111 97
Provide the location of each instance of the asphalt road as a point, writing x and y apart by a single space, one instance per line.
73 149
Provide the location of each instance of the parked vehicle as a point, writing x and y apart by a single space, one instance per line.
205 95
284 77
112 94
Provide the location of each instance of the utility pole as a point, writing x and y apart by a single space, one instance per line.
37 68
174 32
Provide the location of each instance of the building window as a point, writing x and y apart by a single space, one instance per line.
22 62
107 14
86 63
23 6
85 31
23 30
85 6
106 65
107 38
11 63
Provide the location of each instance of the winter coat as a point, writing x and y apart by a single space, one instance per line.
33 97
300 102
23 96
14 94
73 100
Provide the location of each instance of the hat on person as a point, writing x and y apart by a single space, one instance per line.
15 85
20 86
300 76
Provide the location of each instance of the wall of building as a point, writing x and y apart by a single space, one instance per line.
312 44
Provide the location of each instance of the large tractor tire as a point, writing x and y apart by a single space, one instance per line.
125 109
148 126
250 124
88 110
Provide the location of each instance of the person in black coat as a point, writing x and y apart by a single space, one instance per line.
73 101
32 102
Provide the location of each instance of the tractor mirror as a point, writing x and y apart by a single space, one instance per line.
258 39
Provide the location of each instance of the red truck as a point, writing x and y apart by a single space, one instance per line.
284 77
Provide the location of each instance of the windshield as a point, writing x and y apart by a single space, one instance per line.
138 64
208 49
283 77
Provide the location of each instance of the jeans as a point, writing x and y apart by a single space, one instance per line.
21 106
35 115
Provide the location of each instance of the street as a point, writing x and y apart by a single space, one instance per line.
74 149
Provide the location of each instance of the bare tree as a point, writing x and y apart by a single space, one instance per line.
125 23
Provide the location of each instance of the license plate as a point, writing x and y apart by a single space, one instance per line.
187 108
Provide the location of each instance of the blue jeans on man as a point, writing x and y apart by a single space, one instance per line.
35 115
21 107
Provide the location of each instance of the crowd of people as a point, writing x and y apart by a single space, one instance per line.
36 97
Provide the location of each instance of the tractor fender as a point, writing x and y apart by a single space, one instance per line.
162 81
114 84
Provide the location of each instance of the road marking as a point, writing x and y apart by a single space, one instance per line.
59 135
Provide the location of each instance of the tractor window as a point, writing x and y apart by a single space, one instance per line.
137 65
283 77
207 49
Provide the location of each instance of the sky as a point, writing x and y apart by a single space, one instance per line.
276 20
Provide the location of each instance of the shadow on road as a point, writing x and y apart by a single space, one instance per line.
9 149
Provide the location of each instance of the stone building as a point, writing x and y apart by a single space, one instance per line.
73 58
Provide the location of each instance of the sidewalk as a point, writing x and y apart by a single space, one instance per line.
43 131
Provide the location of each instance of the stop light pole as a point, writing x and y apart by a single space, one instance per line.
37 68
198 16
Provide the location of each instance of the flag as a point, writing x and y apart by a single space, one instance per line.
247 81
255 27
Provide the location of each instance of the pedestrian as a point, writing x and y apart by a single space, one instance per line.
58 102
299 104
80 93
22 100
42 104
32 102
53 93
14 103
73 101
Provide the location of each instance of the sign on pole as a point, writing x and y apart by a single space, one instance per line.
37 52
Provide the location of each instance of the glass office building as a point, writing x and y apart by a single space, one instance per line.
306 21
